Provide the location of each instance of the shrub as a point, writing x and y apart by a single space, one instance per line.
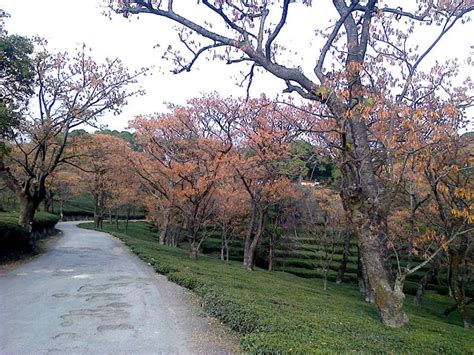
16 240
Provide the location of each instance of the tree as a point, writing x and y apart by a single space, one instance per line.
259 161
350 74
63 184
322 220
449 173
16 81
70 91
102 164
183 156
231 202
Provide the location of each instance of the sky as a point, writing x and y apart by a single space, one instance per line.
66 24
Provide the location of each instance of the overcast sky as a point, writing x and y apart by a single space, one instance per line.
68 23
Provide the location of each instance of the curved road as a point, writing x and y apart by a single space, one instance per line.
89 294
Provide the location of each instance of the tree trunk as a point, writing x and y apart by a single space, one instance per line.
360 273
48 202
61 210
28 208
164 227
194 250
427 278
367 202
389 298
227 252
256 239
116 219
98 213
163 234
3 201
127 218
325 279
222 247
458 295
345 253
248 235
270 253
368 290
97 222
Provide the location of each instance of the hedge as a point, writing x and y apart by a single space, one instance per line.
16 240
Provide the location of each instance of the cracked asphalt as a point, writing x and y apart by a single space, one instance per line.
89 294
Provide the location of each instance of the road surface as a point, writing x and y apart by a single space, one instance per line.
89 294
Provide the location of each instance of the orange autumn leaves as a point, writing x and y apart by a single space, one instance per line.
214 158
104 171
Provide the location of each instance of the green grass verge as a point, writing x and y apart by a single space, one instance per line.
277 312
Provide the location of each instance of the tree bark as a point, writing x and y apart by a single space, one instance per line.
98 213
368 290
360 273
29 193
28 208
364 200
222 247
270 252
427 278
127 218
194 250
164 227
116 219
48 202
227 252
455 261
345 253
325 279
249 234
61 210
389 298
256 239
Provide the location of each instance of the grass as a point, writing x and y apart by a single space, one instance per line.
77 206
278 312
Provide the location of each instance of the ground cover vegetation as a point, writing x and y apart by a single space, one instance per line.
367 180
276 312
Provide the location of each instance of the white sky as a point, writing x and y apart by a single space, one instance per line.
68 23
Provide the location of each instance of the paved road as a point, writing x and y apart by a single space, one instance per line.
89 294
